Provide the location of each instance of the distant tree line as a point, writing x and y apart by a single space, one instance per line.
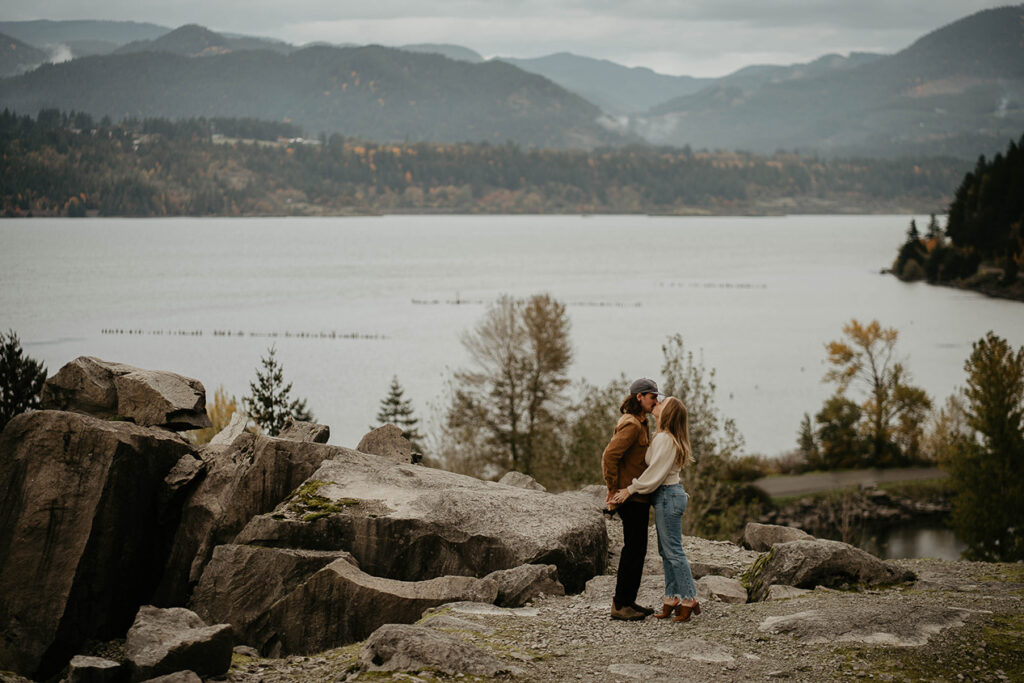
984 228
67 164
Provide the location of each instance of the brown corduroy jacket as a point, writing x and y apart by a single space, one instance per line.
623 458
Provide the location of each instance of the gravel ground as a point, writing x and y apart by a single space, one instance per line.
959 621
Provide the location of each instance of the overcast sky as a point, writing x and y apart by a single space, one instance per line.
693 37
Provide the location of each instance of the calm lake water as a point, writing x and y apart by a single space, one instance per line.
757 298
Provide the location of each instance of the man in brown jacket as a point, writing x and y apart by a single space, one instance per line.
623 461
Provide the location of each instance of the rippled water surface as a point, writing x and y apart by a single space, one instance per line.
378 296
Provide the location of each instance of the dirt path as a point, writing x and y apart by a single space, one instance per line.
817 482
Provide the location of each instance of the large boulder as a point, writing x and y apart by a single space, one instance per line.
114 390
762 537
806 564
387 440
335 605
241 583
400 647
246 477
83 536
164 641
411 523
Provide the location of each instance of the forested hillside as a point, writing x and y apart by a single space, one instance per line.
72 165
372 92
958 90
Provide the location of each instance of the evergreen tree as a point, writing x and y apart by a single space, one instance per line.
912 233
807 443
987 465
269 403
21 379
397 410
934 231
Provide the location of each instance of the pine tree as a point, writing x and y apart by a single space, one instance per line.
269 403
21 379
397 410
934 231
987 464
912 233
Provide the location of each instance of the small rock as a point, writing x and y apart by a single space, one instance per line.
520 480
762 537
403 647
519 585
176 677
724 589
93 670
311 432
164 641
779 592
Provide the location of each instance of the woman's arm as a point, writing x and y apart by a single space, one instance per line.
662 460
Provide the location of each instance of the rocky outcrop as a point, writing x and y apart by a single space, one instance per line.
435 523
165 641
399 647
83 536
242 583
297 430
523 481
341 604
244 478
806 564
519 585
762 537
388 442
867 625
114 390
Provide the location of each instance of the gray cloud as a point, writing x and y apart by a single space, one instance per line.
697 37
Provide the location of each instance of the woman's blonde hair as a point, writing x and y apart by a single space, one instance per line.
675 422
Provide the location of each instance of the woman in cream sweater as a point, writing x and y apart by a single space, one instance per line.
668 453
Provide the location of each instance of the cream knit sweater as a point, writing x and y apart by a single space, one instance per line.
661 466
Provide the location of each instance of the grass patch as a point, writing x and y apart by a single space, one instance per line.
307 501
920 490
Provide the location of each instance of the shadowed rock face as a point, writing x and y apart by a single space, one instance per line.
241 583
83 537
342 604
412 523
114 390
247 477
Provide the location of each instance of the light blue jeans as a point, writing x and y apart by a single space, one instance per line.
669 504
